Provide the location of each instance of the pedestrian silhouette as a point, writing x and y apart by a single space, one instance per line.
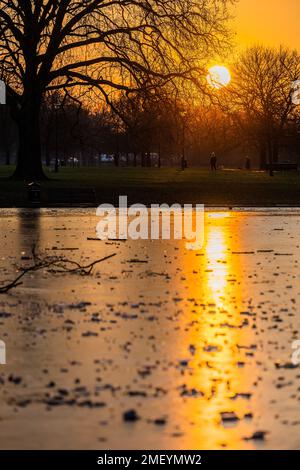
184 163
213 162
248 163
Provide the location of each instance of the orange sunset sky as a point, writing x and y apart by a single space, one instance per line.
270 22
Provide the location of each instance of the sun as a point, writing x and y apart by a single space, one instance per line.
218 76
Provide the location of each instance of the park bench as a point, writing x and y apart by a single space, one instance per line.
287 166
71 196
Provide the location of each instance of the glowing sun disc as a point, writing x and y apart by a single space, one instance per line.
218 76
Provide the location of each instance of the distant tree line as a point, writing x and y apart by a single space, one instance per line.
253 117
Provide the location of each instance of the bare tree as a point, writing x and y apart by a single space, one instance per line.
260 97
102 46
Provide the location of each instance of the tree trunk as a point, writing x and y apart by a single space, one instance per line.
29 163
47 153
263 155
7 153
148 160
270 154
117 159
275 151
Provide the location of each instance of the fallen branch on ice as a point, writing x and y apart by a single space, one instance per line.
55 265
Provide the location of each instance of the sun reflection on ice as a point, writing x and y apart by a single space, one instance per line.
216 256
216 373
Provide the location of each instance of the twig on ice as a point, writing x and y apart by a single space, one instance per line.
54 264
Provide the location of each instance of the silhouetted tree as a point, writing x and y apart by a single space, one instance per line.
104 45
259 98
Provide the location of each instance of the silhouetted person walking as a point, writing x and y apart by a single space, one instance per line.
183 162
248 163
213 162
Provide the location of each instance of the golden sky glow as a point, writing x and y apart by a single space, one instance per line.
268 22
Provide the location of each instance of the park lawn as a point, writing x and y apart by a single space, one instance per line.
169 185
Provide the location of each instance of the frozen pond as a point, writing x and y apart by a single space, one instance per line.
198 344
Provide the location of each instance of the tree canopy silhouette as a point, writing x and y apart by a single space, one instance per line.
259 98
99 46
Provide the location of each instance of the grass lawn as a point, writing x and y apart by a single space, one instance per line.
153 185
